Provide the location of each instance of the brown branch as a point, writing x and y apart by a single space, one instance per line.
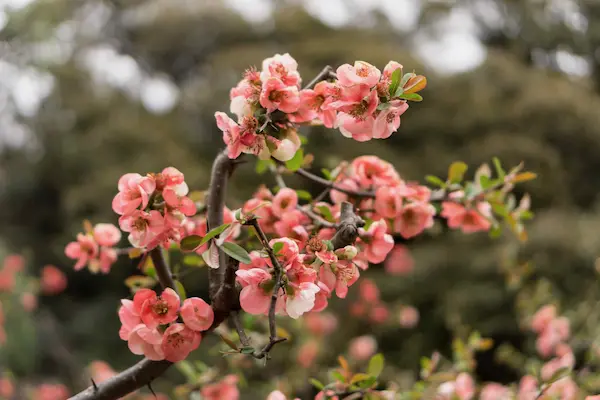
163 272
329 184
325 73
347 230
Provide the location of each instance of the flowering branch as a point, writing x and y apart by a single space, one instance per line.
347 231
332 185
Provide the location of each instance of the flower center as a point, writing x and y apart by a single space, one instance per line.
140 224
276 96
362 72
160 307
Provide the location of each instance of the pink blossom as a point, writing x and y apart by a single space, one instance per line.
258 261
322 297
307 353
142 226
157 310
362 73
528 388
408 317
83 250
379 313
390 67
368 291
7 280
178 341
7 388
542 318
129 317
362 347
303 299
348 184
286 146
106 234
105 260
100 371
176 200
468 220
134 191
378 243
388 120
465 387
225 389
495 391
197 314
320 323
29 301
288 253
275 95
339 277
231 134
53 280
373 171
399 261
48 391
146 341
284 201
414 218
552 366
253 298
389 199
282 67
14 263
359 129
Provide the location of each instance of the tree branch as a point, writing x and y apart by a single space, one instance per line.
347 230
325 73
163 272
329 184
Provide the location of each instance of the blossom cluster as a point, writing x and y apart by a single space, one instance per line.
95 248
153 208
361 101
150 324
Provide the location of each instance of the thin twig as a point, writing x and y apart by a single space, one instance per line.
163 272
325 73
244 339
329 184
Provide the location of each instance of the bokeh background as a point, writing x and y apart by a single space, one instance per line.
91 89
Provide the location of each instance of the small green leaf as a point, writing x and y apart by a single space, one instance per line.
190 243
193 260
560 373
303 139
188 370
237 252
411 96
367 383
247 350
457 171
214 232
262 166
495 231
327 174
229 343
485 182
337 375
180 290
317 384
326 213
396 77
499 170
304 195
277 247
137 282
526 215
376 364
434 180
359 377
150 271
296 162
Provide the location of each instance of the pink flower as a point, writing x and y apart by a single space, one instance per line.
390 67
105 260
373 171
83 250
100 371
276 395
142 226
379 314
275 95
284 201
368 291
414 218
7 388
231 134
286 146
389 199
14 263
399 261
178 341
106 234
49 391
225 389
134 191
552 366
288 253
282 67
465 387
307 353
528 388
197 314
362 73
388 120
469 220
542 318
339 277
53 280
495 391
378 243
258 261
129 317
253 298
408 317
29 301
157 310
146 341
7 280
359 129
303 299
362 347
320 323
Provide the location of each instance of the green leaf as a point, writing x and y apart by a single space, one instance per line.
317 384
526 215
296 162
247 350
190 243
180 290
376 364
337 375
485 182
188 370
457 171
150 271
434 180
359 377
495 231
327 174
406 77
326 213
137 282
499 170
560 373
229 343
499 209
262 166
367 383
193 260
237 252
303 139
411 96
396 77
214 232
304 195
277 247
